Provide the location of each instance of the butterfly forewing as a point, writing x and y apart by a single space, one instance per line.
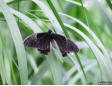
41 41
32 40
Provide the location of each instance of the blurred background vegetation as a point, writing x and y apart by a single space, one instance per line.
86 22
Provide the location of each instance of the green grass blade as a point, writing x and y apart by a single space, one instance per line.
68 74
49 15
8 64
57 17
2 67
78 63
6 61
55 67
33 63
104 14
27 20
22 62
98 42
10 61
90 32
77 77
60 5
8 69
104 64
42 69
81 66
109 3
73 2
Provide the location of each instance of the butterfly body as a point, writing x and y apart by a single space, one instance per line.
41 41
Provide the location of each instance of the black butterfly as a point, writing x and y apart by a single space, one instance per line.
41 41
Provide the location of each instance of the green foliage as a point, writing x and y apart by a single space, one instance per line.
89 25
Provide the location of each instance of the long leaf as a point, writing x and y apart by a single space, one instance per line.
90 32
22 62
42 69
57 17
77 77
49 14
109 3
55 67
104 14
8 63
2 66
27 20
73 2
104 64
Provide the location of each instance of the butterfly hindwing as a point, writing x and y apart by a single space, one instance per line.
71 46
65 45
44 44
61 41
